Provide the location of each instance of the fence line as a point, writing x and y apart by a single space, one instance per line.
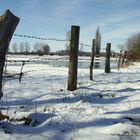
50 39
39 38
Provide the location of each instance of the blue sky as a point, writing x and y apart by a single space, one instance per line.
117 19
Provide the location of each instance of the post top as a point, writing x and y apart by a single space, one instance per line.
75 26
108 44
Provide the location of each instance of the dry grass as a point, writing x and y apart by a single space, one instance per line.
3 117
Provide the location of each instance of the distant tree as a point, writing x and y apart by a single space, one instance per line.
97 42
133 46
81 47
36 47
27 47
68 37
21 47
15 47
46 49
41 48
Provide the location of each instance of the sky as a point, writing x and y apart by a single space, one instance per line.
117 20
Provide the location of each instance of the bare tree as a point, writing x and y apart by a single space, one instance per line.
36 47
21 47
68 37
41 48
27 47
15 48
133 46
46 49
81 47
97 42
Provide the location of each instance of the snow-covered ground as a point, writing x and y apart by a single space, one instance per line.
107 108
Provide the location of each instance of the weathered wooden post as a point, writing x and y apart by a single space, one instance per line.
107 62
73 58
124 58
8 24
119 61
92 59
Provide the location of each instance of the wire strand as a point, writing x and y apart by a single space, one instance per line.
51 39
39 38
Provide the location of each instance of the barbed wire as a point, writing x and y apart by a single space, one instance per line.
39 38
43 38
85 45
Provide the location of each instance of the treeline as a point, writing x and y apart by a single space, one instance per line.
42 49
80 53
66 52
25 48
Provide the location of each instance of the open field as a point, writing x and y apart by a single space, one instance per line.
103 109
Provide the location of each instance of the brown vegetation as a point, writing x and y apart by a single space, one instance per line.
133 47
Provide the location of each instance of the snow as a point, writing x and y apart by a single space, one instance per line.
107 108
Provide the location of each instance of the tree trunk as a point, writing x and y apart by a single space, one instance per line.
8 24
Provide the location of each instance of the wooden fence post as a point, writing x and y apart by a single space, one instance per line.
123 58
8 24
107 62
92 59
119 61
73 58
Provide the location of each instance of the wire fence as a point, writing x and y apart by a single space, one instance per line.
49 39
61 40
44 38
39 38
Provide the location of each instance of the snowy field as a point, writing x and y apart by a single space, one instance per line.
107 108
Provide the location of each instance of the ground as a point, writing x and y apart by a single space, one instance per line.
40 107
